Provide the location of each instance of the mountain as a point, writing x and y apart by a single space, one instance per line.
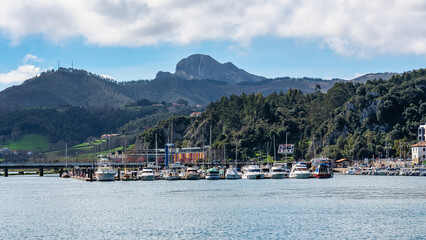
370 76
200 66
199 79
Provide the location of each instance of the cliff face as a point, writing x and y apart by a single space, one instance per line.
200 66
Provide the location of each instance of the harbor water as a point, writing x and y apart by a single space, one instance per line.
344 207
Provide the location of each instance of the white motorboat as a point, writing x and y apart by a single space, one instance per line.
300 171
232 173
191 174
252 172
105 172
147 174
277 172
212 174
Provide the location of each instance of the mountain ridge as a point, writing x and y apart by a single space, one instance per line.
194 81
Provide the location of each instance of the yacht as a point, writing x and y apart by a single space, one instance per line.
212 174
300 170
191 174
232 173
252 172
277 172
322 171
105 172
147 174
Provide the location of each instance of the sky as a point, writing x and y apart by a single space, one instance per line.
134 39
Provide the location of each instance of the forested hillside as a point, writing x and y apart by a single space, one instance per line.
75 124
350 120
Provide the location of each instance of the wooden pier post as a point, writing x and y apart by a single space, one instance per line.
90 174
6 172
118 173
40 173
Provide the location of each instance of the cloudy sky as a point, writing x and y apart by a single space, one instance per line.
134 39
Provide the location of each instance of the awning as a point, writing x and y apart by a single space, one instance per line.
342 160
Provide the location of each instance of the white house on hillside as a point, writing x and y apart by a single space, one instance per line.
418 152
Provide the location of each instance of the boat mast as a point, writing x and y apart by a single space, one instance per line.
286 150
210 145
66 155
275 153
125 154
156 151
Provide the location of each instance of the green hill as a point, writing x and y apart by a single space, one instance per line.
29 142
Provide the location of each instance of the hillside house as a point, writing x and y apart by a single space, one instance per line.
419 152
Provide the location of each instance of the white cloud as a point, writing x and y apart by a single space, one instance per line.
19 75
354 27
29 58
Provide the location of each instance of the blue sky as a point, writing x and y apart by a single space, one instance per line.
134 39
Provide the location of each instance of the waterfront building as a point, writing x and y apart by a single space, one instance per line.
422 133
419 152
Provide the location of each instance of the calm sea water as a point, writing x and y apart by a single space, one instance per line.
345 207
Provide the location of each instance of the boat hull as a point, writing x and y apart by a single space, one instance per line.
212 177
322 175
253 176
300 175
171 178
102 176
277 176
192 177
147 177
232 176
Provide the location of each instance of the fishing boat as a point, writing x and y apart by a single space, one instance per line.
191 174
322 171
105 172
147 174
212 174
277 172
232 173
252 172
300 171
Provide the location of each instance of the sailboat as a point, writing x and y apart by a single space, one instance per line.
126 176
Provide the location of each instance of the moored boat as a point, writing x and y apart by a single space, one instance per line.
277 172
191 174
252 172
212 174
232 173
322 171
300 171
170 175
147 174
105 172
